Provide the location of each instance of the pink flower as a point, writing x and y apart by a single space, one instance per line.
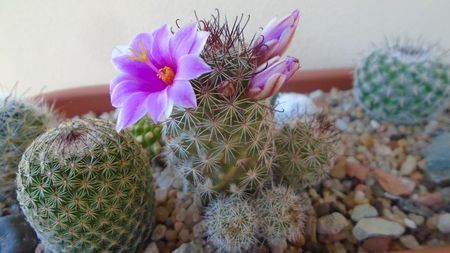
276 37
271 76
155 71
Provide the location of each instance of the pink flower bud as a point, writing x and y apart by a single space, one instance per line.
271 76
276 37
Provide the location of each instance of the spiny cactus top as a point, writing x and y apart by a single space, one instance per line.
21 121
403 82
85 188
149 135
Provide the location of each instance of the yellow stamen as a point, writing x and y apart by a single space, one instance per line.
140 55
166 74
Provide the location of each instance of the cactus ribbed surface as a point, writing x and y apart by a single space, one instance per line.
403 83
86 188
21 121
149 135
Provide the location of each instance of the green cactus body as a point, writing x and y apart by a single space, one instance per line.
402 83
86 188
21 121
305 149
149 135
226 143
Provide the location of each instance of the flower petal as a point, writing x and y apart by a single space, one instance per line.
132 110
142 41
119 78
183 94
199 43
190 67
160 50
138 69
181 43
126 88
157 106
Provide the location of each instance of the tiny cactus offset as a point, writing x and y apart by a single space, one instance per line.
21 121
149 135
403 82
86 188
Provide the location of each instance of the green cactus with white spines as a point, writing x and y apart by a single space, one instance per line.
21 121
403 82
149 135
86 188
305 150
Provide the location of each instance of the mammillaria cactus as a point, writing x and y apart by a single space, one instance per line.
86 188
149 135
21 121
403 82
231 224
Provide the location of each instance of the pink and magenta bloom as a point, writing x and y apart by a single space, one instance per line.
276 37
270 77
155 73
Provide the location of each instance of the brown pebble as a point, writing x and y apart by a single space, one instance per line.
161 214
338 170
170 235
184 235
299 242
377 244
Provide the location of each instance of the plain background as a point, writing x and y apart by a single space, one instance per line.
54 44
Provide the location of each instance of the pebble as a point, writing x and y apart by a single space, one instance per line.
16 235
419 220
338 170
372 227
443 223
331 224
409 242
408 166
161 195
158 232
430 199
438 159
184 235
363 211
357 170
189 248
391 183
151 248
278 245
377 244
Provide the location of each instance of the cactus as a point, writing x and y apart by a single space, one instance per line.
86 188
21 121
231 224
403 82
149 135
305 149
225 144
281 213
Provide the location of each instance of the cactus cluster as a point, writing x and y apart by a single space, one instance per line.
403 82
148 135
21 121
86 188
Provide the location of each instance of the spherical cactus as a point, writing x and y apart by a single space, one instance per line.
403 82
305 149
86 188
225 144
21 121
281 213
231 224
149 135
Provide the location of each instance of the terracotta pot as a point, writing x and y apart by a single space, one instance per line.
78 101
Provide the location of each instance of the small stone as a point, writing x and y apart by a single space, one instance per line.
278 245
443 223
363 211
410 206
41 249
409 223
331 224
161 214
158 232
373 227
16 235
184 235
438 160
377 244
409 242
161 195
311 229
181 214
199 229
299 242
391 183
323 209
408 166
189 248
366 140
430 199
357 170
432 222
338 170
151 248
170 235
419 220
165 180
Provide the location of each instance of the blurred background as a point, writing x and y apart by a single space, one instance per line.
48 44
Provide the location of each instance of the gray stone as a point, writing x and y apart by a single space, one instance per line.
331 224
16 235
438 159
363 211
408 166
151 248
409 242
189 248
372 227
444 223
158 232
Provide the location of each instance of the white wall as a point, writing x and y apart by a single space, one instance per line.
54 44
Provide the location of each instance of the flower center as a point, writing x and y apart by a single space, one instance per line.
166 74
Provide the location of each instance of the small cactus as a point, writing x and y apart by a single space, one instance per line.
149 135
403 83
305 149
86 188
21 121
281 213
231 224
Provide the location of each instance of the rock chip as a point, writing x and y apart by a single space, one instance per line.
331 224
438 159
377 244
357 170
430 199
408 166
391 183
158 232
409 242
16 235
373 227
443 223
151 248
189 248
363 211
